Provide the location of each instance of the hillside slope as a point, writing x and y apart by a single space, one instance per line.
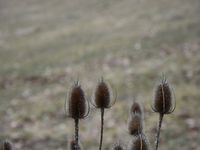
45 45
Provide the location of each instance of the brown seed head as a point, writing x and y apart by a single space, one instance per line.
6 145
136 108
139 143
135 124
73 145
102 95
77 103
163 99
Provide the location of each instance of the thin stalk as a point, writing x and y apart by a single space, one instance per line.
140 142
102 124
158 131
76 121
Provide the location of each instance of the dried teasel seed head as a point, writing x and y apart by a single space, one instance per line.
163 99
6 145
135 124
74 146
136 108
139 142
77 102
118 146
102 97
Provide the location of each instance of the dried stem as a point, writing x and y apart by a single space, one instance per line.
102 124
76 121
158 131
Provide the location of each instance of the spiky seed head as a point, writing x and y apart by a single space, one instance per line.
102 95
135 124
163 98
77 102
74 146
6 145
118 146
136 108
139 142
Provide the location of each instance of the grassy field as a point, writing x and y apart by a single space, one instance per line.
46 45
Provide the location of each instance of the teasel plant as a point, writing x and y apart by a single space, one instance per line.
6 145
78 108
136 116
102 100
139 140
164 103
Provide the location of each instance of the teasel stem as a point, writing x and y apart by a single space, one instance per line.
140 142
159 129
102 124
76 121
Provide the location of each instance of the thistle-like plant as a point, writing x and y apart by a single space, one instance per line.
135 127
135 122
102 101
163 104
78 108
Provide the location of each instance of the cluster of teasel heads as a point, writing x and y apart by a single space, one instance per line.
78 108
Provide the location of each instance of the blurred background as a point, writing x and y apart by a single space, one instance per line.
46 45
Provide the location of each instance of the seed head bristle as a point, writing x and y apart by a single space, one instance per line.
77 102
135 124
163 99
102 97
6 145
139 142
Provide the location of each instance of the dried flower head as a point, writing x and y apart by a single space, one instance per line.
74 146
135 124
6 145
136 108
139 142
77 103
102 97
118 146
163 101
